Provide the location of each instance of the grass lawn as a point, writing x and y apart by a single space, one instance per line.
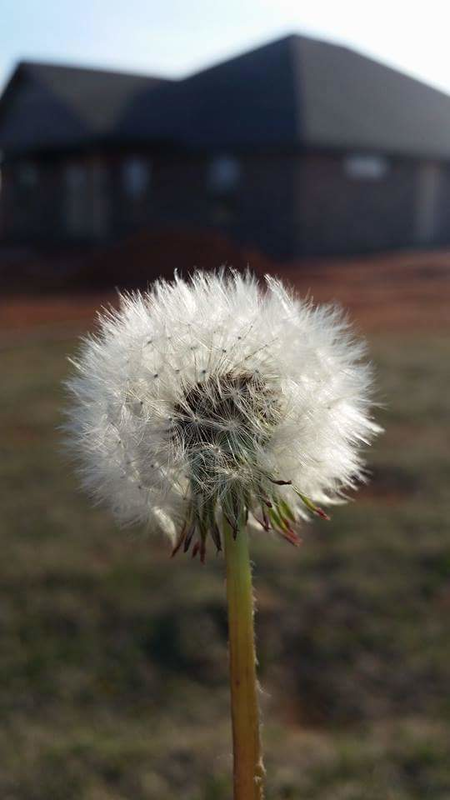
113 660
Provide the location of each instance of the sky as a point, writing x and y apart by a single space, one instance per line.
177 37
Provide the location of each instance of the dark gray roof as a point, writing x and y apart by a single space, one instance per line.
246 101
348 100
46 105
294 92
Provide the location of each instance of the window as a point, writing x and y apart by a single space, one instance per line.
86 198
365 167
429 175
224 173
100 199
1 171
77 199
27 197
27 175
136 175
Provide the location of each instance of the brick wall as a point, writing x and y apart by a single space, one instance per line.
338 212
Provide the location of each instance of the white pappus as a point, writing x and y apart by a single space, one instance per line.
216 396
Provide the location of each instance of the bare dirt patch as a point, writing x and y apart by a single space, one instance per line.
407 290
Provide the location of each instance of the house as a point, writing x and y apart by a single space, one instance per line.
297 147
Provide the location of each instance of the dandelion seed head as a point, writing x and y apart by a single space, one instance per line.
216 396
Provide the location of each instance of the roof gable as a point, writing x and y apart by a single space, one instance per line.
46 105
32 116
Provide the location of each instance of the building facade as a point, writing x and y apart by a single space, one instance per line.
299 147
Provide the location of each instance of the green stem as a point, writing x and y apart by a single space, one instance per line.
248 765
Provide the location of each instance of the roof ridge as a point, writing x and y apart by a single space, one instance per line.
53 65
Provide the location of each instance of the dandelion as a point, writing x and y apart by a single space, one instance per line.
209 407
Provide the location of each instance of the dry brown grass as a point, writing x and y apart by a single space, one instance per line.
113 669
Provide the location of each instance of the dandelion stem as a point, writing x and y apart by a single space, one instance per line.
248 764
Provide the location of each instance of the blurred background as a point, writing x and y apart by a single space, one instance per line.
312 143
